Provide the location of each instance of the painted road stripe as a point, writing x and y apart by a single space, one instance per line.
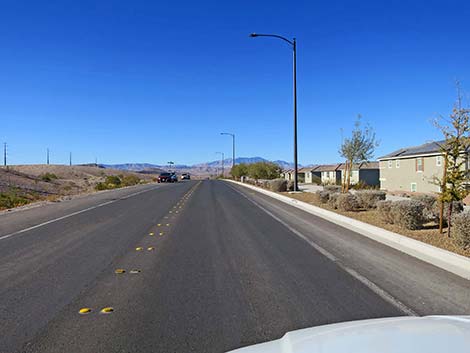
371 285
74 214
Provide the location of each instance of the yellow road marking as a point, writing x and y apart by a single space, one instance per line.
139 248
84 311
107 310
150 248
151 233
119 270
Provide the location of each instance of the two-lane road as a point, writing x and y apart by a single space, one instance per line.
219 267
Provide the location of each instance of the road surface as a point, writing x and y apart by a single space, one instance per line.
227 267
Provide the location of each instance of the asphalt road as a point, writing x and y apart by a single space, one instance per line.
227 267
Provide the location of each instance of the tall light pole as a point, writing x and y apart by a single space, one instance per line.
223 157
293 44
233 146
47 156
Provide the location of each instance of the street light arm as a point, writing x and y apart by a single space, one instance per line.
253 35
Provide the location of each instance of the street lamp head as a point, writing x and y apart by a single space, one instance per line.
253 35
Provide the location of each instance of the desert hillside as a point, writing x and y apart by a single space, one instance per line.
20 184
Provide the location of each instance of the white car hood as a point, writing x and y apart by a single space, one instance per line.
402 334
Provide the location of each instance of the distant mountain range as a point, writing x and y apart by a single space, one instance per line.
200 168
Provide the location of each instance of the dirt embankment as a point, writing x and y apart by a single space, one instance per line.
28 183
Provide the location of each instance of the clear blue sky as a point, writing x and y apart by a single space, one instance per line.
152 81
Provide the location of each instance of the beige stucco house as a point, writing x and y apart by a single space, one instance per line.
412 169
365 172
330 173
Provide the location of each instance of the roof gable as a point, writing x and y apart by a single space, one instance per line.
430 147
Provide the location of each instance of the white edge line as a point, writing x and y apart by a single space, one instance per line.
444 259
74 214
371 285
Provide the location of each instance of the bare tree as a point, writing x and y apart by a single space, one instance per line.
360 147
456 130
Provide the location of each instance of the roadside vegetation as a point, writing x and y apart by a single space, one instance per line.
118 181
14 198
48 177
24 184
413 218
256 171
358 148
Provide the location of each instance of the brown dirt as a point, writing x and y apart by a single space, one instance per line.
430 233
71 180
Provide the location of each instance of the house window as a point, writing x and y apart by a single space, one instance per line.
419 164
438 161
390 164
413 187
397 163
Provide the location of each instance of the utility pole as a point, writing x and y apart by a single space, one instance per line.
48 156
5 154
70 158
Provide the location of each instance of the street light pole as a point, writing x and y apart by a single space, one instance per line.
293 44
223 157
233 146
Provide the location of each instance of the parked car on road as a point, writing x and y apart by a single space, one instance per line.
173 178
164 178
185 176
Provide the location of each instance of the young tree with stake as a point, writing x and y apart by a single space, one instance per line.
455 149
358 148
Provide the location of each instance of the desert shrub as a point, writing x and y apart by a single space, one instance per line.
112 181
290 185
408 214
101 186
384 211
129 180
12 199
429 211
332 188
323 195
457 207
368 198
47 177
279 185
347 202
461 229
333 200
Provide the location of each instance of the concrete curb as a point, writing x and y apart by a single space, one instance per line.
457 264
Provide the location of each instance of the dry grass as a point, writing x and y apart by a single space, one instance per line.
430 233
27 181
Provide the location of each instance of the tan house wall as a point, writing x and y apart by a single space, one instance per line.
354 179
330 177
399 177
